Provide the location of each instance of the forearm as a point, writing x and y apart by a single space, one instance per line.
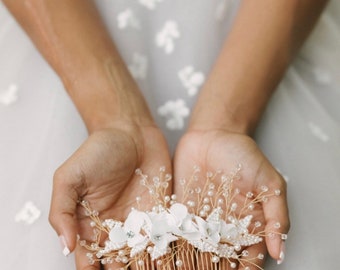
73 39
265 37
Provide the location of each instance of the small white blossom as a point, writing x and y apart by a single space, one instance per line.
165 38
139 66
126 19
28 214
191 80
150 4
175 112
9 96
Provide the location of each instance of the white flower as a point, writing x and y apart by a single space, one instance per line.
318 132
175 111
9 96
239 235
127 18
165 38
191 80
182 222
130 233
28 214
210 231
150 4
161 234
138 68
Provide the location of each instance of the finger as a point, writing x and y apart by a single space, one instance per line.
277 221
63 212
83 262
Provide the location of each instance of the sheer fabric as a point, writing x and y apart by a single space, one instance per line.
169 47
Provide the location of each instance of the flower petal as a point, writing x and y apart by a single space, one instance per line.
117 235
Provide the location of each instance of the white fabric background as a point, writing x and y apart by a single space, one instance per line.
40 128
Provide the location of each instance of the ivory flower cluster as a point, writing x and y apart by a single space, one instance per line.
214 224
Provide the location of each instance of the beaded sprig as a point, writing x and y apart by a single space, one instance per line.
209 220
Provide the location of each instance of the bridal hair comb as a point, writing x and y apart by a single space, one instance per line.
210 228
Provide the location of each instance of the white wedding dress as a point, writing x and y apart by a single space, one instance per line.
170 46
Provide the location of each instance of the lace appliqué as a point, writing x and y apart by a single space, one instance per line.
318 132
321 76
139 66
165 38
9 96
127 19
191 80
175 112
28 214
150 4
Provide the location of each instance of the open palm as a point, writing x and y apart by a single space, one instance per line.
102 172
216 150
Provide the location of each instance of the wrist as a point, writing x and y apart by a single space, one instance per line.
106 95
214 112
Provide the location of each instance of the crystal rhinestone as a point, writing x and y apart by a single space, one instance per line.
211 186
162 169
247 268
206 207
233 265
277 225
249 194
260 256
182 181
251 207
277 192
257 224
237 191
264 188
149 249
209 174
125 259
197 169
198 190
121 253
167 198
203 213
159 262
245 253
215 259
138 171
179 263
165 184
168 177
138 199
233 206
284 236
140 262
191 203
206 200
210 193
220 201
173 197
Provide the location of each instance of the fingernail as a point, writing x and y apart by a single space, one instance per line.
282 253
63 243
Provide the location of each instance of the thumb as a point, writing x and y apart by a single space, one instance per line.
63 216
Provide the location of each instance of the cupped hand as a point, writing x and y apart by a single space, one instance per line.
102 172
214 150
